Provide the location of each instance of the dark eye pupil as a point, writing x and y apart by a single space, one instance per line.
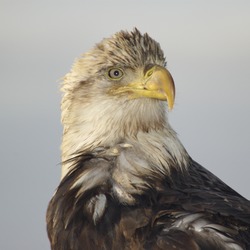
115 73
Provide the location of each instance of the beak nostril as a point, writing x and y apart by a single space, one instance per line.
148 67
150 73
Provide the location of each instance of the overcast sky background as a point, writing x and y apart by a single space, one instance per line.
207 45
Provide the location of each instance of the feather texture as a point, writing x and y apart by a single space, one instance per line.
127 181
191 210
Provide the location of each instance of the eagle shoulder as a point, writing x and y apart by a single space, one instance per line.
104 203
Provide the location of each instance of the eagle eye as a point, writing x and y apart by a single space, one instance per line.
115 73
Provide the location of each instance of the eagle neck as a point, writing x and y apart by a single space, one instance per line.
144 125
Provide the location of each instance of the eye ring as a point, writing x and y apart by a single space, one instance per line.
115 73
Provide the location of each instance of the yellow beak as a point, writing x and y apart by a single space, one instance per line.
157 83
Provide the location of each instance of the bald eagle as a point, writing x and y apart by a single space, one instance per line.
127 181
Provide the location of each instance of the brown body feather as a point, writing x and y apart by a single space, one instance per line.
188 210
127 181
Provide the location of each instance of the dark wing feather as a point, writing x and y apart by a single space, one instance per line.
200 204
189 210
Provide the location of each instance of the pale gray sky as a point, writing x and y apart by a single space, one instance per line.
207 45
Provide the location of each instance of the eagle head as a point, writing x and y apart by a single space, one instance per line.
115 92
